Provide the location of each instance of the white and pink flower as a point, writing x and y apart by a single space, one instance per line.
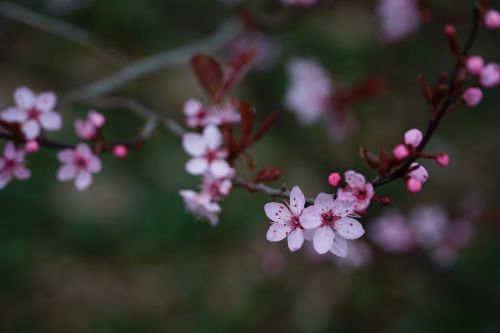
78 164
219 114
207 154
33 112
357 191
398 19
201 204
286 220
12 165
391 232
333 225
87 129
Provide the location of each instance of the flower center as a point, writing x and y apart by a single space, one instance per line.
33 114
9 164
211 155
329 218
81 162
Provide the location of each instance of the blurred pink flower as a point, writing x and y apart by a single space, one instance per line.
398 19
268 48
219 114
201 205
299 2
216 187
333 225
391 233
360 255
309 91
475 64
87 129
286 220
206 152
429 224
12 165
492 19
33 112
357 191
490 75
78 164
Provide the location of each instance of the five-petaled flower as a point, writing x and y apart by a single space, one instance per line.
33 112
286 220
206 152
334 226
12 165
201 204
78 164
357 191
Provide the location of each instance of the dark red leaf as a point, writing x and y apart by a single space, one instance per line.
237 69
371 159
227 131
264 126
209 74
246 124
267 175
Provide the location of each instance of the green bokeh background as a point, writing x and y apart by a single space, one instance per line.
126 257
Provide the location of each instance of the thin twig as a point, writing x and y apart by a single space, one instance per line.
156 62
273 192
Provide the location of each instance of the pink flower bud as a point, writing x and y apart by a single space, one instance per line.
400 152
96 118
31 146
450 30
492 19
413 185
418 172
413 137
490 75
334 179
120 151
472 96
475 65
442 159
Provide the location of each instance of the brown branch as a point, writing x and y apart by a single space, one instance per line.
273 192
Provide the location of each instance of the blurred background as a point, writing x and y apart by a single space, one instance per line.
125 256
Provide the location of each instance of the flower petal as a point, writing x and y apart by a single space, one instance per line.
212 136
309 234
83 180
25 98
21 172
31 129
66 172
295 239
83 150
51 121
354 179
323 202
340 247
310 218
278 232
349 228
197 166
14 115
194 144
95 164
66 155
297 200
46 101
220 168
277 212
9 150
323 239
343 208
5 178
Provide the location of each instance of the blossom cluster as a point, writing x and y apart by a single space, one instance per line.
26 123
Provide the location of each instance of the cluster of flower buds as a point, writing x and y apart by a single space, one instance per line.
26 122
329 222
488 76
426 228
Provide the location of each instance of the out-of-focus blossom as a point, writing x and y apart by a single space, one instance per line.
268 48
357 191
398 19
492 19
87 129
286 220
216 187
33 112
12 165
429 224
206 152
309 91
458 236
199 116
391 233
78 164
360 255
340 124
120 151
475 65
490 75
333 225
201 205
472 96
299 2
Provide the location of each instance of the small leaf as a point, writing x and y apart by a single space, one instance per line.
371 159
267 175
246 124
209 74
264 126
237 69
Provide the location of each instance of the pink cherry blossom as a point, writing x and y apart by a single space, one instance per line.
418 172
490 75
309 91
33 112
216 187
78 164
286 220
219 114
333 225
391 233
398 18
475 64
206 152
429 224
458 235
201 204
12 165
357 191
472 96
413 137
492 19
87 129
